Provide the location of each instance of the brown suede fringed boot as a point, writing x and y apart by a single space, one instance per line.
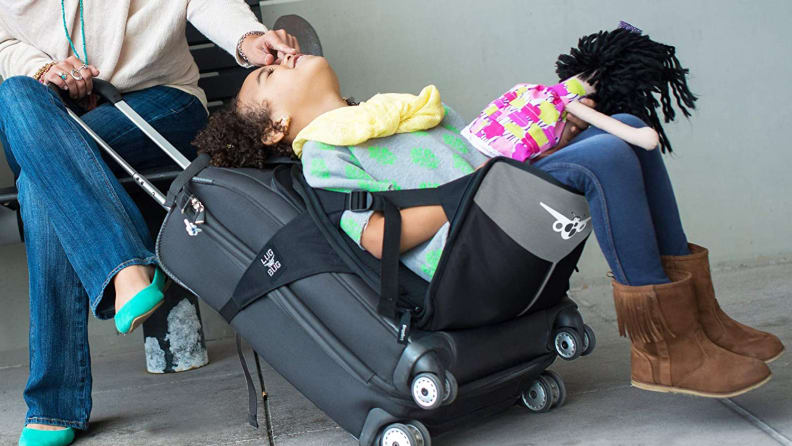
670 352
718 326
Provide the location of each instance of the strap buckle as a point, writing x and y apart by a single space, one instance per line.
360 201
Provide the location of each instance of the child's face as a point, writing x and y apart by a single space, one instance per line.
290 88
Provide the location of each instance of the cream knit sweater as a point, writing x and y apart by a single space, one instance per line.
135 44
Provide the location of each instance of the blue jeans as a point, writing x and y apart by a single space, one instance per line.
81 227
633 209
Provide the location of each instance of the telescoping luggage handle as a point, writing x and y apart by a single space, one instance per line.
108 91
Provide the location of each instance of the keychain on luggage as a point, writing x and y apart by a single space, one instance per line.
198 216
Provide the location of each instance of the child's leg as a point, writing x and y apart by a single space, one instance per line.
608 172
671 239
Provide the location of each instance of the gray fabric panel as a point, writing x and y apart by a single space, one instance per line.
534 212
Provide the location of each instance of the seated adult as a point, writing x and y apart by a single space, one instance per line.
87 244
681 339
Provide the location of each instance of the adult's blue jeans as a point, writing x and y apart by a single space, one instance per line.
633 209
81 227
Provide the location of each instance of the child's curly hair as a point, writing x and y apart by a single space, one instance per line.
232 137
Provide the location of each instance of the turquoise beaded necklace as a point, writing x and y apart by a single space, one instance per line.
82 31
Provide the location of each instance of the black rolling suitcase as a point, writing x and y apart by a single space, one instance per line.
390 360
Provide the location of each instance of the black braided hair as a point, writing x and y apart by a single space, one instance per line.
627 69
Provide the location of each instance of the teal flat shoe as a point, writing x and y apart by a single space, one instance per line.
35 437
140 307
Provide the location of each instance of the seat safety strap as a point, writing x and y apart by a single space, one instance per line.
298 250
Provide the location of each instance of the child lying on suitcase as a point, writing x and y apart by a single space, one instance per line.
414 142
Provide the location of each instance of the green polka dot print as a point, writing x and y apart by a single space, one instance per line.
456 143
424 158
324 146
355 173
382 155
352 227
450 127
318 168
352 156
372 185
462 165
431 261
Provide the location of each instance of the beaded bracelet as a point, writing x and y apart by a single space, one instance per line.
242 39
43 70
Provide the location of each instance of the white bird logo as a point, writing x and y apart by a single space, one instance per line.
566 227
269 259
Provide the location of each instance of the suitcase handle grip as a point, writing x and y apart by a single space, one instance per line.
106 90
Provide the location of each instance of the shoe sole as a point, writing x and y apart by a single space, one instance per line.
142 318
776 356
668 389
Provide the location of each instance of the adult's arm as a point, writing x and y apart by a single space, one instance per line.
18 58
224 22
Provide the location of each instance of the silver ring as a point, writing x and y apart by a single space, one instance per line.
82 67
62 75
76 74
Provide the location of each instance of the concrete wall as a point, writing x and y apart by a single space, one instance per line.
732 158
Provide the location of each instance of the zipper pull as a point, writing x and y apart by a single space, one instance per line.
191 228
199 216
404 326
195 215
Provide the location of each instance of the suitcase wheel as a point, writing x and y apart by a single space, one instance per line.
412 433
538 397
428 391
589 341
452 388
568 343
546 391
557 387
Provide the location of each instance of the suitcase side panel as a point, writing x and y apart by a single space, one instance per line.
291 347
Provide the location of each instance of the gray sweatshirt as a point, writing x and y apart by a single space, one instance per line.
401 161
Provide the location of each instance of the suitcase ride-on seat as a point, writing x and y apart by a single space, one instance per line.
308 300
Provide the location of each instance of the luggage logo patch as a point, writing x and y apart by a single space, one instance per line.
271 262
566 227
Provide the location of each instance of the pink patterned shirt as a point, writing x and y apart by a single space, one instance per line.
525 121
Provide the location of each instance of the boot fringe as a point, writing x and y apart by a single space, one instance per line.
640 318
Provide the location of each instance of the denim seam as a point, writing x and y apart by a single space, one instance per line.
116 200
84 358
137 261
44 420
155 119
606 215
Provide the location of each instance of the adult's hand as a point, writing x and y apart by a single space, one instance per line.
270 47
78 77
572 129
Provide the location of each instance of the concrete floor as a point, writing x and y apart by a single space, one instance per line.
208 406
